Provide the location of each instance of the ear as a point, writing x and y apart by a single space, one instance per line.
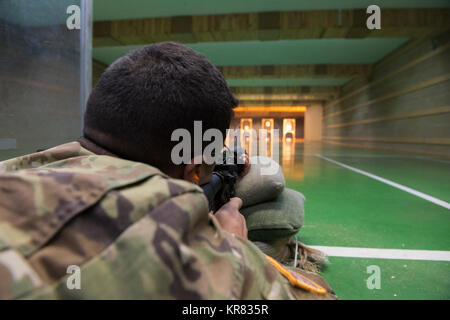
191 173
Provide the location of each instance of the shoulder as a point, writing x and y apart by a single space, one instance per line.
37 159
73 210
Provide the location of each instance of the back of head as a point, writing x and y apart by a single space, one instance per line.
145 95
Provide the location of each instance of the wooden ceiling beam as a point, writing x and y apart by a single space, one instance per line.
296 71
414 23
287 93
284 96
279 72
271 112
271 103
287 89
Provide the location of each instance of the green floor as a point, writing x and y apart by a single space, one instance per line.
347 209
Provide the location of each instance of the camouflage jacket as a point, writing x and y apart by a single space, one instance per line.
130 230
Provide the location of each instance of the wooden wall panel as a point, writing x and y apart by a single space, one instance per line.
405 105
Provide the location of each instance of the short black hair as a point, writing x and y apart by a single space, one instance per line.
145 95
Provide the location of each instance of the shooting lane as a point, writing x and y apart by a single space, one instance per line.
372 100
363 116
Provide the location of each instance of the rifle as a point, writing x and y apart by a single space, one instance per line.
225 175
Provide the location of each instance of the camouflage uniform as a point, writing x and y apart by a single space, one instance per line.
134 232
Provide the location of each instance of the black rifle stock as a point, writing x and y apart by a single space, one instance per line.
221 187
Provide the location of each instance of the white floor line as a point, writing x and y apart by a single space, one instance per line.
391 183
397 157
401 254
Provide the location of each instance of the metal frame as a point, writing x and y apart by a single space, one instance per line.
85 56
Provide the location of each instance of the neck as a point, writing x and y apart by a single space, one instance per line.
94 147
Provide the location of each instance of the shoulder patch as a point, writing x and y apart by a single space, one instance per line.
296 279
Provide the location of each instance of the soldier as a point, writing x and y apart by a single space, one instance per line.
114 207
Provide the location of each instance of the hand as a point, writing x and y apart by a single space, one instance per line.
231 219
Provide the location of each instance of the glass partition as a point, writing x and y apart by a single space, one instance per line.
44 73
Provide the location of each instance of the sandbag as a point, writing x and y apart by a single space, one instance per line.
279 218
263 182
